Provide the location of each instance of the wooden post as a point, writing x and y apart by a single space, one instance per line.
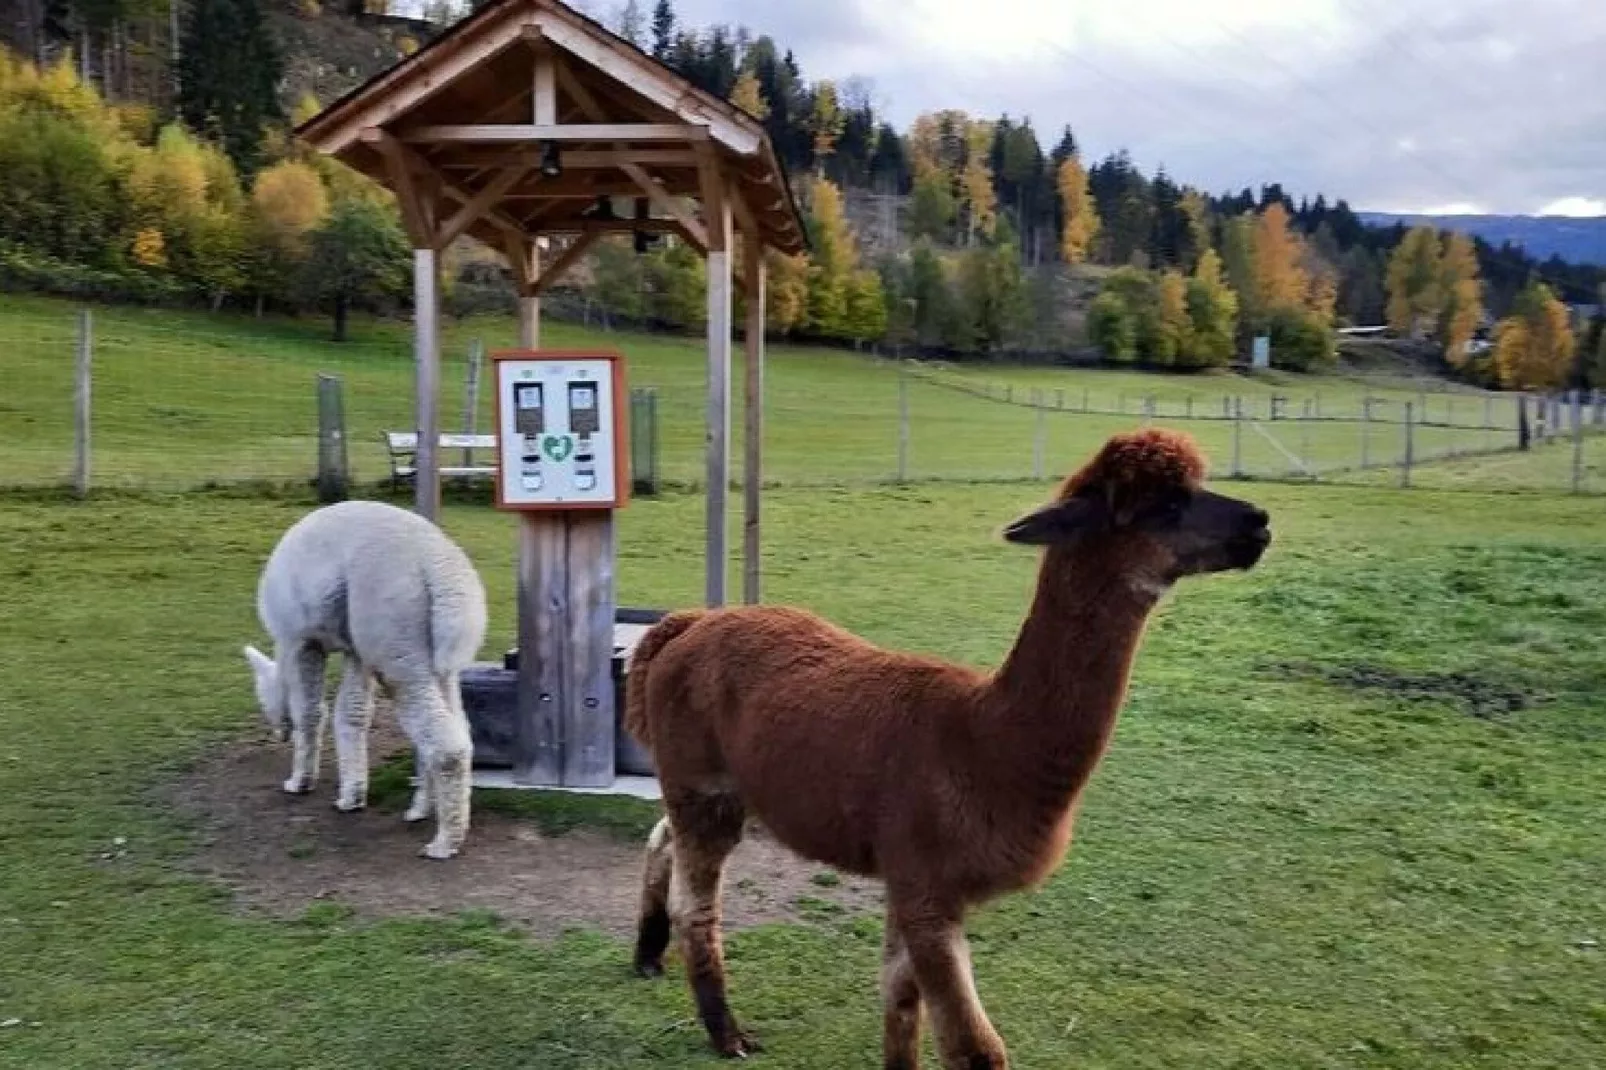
903 424
1039 446
1084 399
83 379
333 479
1237 436
1524 433
753 273
1578 440
586 715
427 355
1059 399
471 397
1410 445
1304 437
1366 432
718 420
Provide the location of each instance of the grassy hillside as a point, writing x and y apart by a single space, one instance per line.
183 399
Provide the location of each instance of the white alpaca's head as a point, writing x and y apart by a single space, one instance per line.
270 693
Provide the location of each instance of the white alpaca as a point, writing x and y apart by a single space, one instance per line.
404 605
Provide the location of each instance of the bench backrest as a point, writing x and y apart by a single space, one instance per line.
407 441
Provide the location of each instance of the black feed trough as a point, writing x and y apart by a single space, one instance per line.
490 698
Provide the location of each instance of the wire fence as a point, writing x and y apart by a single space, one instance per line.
131 401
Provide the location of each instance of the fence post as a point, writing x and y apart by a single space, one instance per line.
1148 409
1524 433
334 476
1237 437
1190 406
1039 445
903 425
1059 399
1366 432
471 397
82 382
1304 437
644 441
1578 441
1084 399
1410 444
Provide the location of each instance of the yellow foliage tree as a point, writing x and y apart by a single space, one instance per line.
826 121
1415 282
1321 296
787 293
1197 211
1173 322
976 183
1279 280
1081 214
749 96
1534 346
289 201
1463 297
149 249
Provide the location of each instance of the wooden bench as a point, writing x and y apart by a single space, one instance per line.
403 449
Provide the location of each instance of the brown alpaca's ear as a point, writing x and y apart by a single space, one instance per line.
1060 522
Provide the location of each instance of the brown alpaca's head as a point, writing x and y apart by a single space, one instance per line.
1144 490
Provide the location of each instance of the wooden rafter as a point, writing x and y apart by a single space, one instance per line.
491 133
564 262
478 205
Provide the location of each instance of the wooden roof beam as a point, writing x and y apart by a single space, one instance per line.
504 132
575 159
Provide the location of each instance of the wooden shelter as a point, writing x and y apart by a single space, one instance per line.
528 123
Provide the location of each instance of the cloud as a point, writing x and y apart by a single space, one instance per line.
1407 104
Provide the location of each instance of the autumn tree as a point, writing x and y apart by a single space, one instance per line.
1534 346
980 197
1415 282
825 122
1212 316
1280 282
1171 317
288 201
835 258
786 293
1238 261
993 292
1463 297
748 95
358 256
1081 216
866 318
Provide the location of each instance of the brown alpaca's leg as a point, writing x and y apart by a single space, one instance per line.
652 930
900 997
940 957
707 829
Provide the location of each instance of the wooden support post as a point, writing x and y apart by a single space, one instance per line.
587 715
1524 433
427 357
718 423
753 271
83 378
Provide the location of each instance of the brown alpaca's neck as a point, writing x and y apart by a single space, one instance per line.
1054 702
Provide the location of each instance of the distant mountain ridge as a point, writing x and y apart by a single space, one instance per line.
1578 240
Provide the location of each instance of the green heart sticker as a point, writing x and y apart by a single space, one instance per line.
557 447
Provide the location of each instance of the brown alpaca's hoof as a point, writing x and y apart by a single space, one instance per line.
650 971
739 1045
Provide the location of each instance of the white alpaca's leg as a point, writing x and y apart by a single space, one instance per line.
432 716
354 713
422 805
302 671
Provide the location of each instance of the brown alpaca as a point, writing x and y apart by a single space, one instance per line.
951 786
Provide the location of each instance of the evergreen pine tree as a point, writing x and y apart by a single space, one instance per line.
229 72
663 28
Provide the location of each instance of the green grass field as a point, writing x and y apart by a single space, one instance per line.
1323 837
1351 816
183 400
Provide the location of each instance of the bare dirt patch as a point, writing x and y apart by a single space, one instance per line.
280 854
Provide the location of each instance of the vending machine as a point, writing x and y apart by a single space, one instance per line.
561 427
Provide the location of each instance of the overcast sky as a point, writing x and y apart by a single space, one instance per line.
1395 105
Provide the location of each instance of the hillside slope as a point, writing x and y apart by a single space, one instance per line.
1576 240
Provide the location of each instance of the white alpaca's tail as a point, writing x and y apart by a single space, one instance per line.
456 619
